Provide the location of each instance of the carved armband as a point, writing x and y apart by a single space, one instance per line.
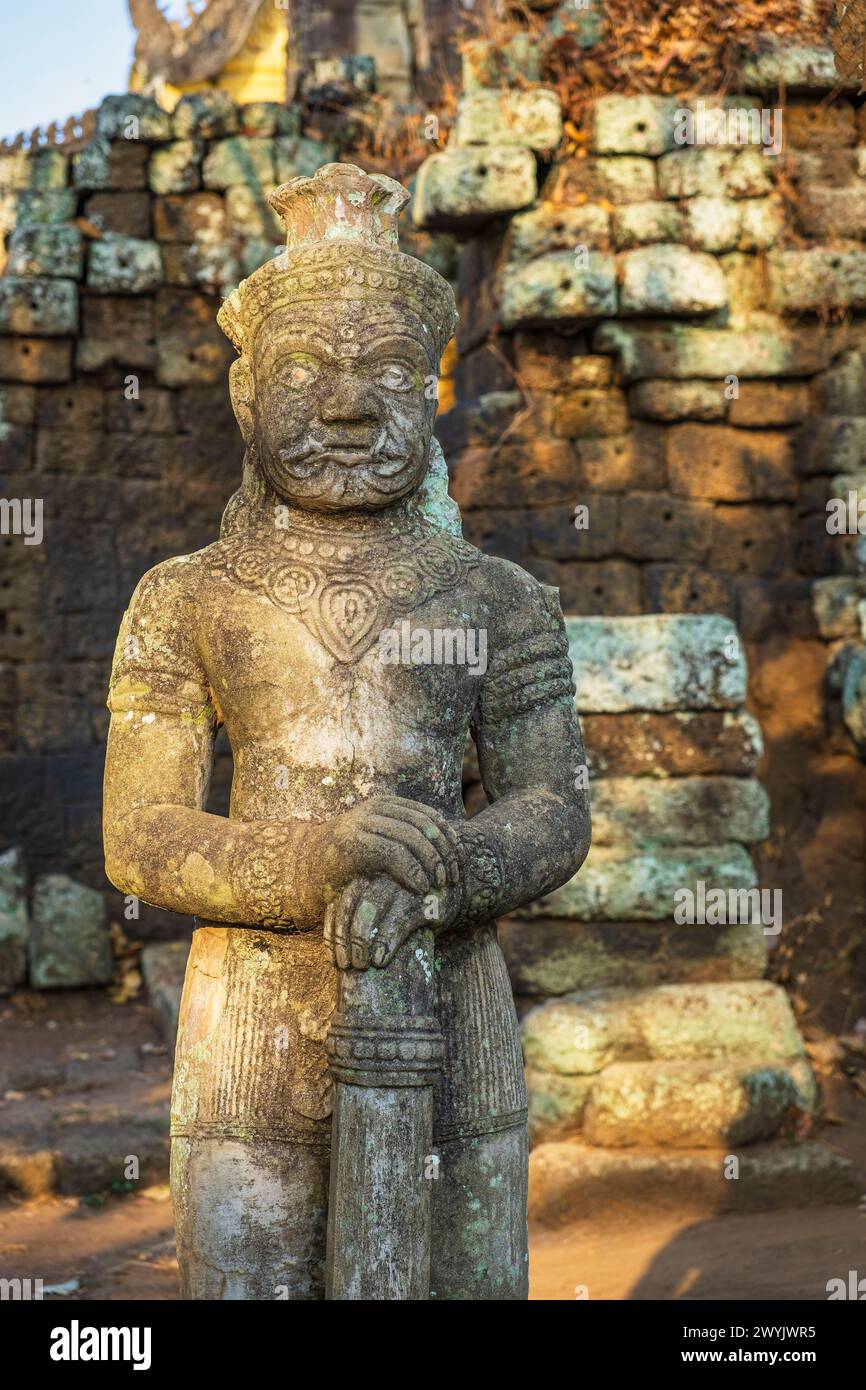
262 874
480 874
529 672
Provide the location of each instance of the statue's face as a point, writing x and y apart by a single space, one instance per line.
344 404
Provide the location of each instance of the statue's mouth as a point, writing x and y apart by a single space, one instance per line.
320 453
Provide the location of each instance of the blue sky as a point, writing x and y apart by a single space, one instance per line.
57 57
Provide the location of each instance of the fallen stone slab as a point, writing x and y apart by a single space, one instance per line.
163 966
628 885
573 1181
460 187
13 921
649 811
656 663
69 938
556 956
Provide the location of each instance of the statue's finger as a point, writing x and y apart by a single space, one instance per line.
362 928
432 824
342 922
426 851
384 855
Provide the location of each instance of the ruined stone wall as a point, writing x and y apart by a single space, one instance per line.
660 384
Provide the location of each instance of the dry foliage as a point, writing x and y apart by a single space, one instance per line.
657 46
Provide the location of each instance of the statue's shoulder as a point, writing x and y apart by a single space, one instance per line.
519 603
174 582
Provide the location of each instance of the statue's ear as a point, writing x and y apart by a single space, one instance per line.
243 396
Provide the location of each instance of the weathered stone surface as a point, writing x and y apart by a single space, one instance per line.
187 218
672 744
189 347
854 697
163 966
44 205
208 115
620 886
35 360
248 214
669 279
633 124
833 212
460 187
559 287
727 465
762 221
13 921
819 125
583 1033
551 227
491 63
34 169
573 1181
126 214
835 602
549 957
240 159
765 404
69 940
532 118
296 156
712 172
176 167
653 812
618 179
732 1047
48 249
131 116
657 526
681 351
640 224
711 224
841 390
689 1104
46 307
120 164
797 66
116 330
546 362
663 662
818 279
268 118
585 413
678 400
124 265
208 264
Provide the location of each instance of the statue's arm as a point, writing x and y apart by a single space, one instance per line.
159 843
535 834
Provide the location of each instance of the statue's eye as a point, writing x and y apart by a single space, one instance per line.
394 376
295 372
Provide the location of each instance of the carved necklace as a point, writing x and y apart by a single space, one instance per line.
346 588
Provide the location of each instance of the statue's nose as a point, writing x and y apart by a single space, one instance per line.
350 402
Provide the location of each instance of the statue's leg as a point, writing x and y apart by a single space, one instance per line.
479 1243
250 1218
251 1116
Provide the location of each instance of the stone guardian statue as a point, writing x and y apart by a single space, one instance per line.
349 639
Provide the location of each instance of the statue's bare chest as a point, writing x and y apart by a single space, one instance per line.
321 659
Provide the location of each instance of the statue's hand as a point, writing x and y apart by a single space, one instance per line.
405 840
370 920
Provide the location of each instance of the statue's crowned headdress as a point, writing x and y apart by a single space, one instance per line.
341 244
